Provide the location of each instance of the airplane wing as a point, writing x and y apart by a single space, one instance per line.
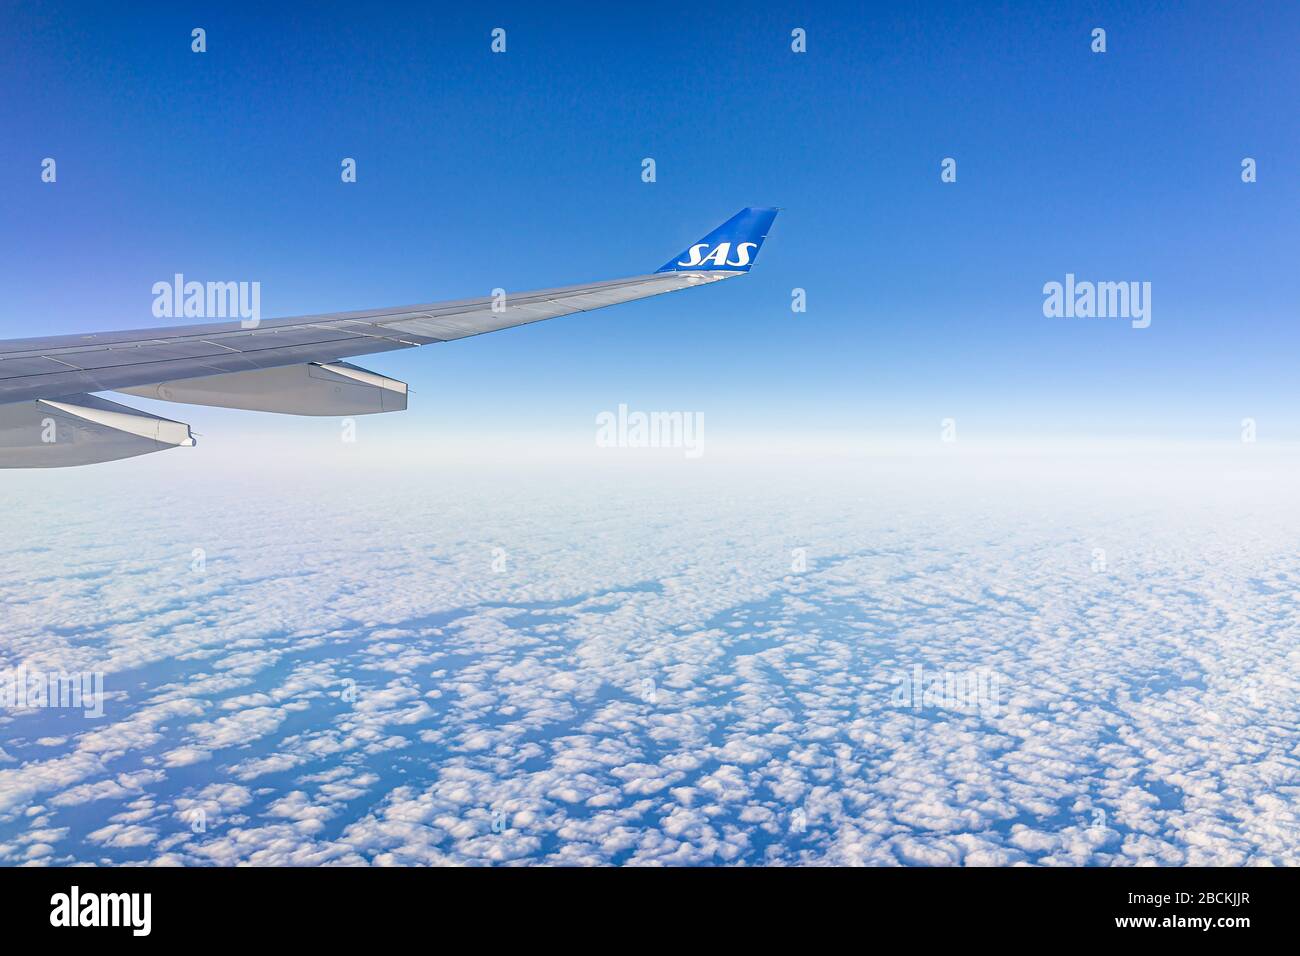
48 418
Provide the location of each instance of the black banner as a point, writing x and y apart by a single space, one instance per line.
337 905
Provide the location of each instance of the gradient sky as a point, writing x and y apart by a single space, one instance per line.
522 170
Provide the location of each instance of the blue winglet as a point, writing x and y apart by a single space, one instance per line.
732 247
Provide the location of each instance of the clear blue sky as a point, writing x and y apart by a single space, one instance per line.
523 170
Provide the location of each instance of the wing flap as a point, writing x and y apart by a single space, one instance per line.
311 389
82 430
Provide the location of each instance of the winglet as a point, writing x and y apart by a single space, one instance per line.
732 247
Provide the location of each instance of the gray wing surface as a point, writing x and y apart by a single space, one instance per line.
57 366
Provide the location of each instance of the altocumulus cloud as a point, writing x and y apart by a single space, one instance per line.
653 680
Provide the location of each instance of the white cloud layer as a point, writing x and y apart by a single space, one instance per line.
356 676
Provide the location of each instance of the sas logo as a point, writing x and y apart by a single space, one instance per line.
718 257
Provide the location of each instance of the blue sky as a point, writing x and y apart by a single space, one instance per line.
522 170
